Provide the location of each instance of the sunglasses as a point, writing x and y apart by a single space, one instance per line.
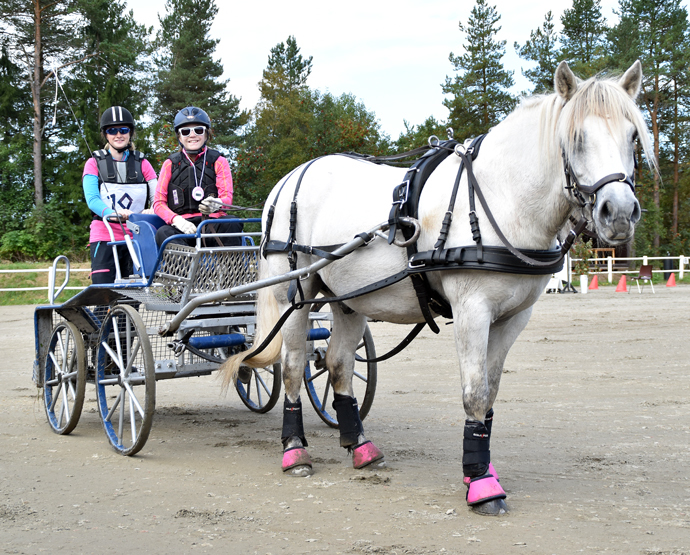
116 130
186 131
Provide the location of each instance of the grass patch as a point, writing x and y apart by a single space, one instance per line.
38 279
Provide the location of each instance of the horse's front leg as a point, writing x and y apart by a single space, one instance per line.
340 361
475 337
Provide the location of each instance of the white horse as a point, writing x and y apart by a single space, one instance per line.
590 127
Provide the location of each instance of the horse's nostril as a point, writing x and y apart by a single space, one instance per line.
636 213
606 211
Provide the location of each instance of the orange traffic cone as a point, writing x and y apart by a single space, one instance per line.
671 281
621 287
595 283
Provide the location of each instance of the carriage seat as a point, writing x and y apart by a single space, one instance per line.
144 227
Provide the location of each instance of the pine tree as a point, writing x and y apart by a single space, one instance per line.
584 38
189 76
542 49
480 92
651 30
16 185
114 48
40 34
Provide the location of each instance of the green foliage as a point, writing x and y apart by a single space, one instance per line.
418 135
583 38
45 235
541 48
480 97
582 250
187 73
293 124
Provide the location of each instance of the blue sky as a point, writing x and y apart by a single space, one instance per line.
392 55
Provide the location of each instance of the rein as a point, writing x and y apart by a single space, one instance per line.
508 259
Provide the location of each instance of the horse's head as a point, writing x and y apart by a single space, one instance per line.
598 127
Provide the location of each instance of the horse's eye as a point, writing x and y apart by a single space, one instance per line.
635 136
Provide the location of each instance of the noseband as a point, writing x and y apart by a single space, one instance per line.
577 190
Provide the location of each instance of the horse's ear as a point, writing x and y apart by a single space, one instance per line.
632 79
564 81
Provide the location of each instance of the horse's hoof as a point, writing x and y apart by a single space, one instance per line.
484 489
495 507
296 462
367 454
302 471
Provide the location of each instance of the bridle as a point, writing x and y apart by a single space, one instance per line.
578 191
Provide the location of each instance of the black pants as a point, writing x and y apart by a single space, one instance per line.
103 262
217 227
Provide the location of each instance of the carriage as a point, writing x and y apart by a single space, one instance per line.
564 157
108 335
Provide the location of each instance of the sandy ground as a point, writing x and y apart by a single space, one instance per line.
591 440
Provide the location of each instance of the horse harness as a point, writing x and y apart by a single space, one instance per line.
506 259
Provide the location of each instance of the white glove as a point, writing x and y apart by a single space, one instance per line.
210 205
185 226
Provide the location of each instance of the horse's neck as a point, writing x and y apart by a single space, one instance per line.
517 178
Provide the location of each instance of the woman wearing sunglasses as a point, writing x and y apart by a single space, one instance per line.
194 182
117 182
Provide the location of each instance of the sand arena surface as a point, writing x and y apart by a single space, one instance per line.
591 440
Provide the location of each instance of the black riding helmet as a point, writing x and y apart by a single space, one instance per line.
191 115
117 115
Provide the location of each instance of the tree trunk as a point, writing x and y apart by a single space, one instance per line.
38 119
676 161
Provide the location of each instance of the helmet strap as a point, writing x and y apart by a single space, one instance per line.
121 150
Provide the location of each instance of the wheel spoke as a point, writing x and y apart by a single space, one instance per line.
133 417
317 374
61 415
112 410
118 343
360 376
324 402
121 419
132 355
260 380
113 356
133 398
258 389
56 396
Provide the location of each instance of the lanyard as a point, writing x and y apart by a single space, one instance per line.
198 190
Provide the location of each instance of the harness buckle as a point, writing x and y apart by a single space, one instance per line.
402 191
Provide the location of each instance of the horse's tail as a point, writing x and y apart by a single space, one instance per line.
267 314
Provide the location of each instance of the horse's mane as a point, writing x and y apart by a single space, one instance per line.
561 122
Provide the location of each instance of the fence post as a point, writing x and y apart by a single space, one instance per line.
609 268
681 266
644 260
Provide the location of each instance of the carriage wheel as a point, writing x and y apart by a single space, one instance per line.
318 382
125 380
64 380
259 388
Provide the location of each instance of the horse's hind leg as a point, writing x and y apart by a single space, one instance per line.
348 329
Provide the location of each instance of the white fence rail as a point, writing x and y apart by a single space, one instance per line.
610 261
35 270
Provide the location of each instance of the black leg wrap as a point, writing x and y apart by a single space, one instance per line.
292 421
349 422
475 449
